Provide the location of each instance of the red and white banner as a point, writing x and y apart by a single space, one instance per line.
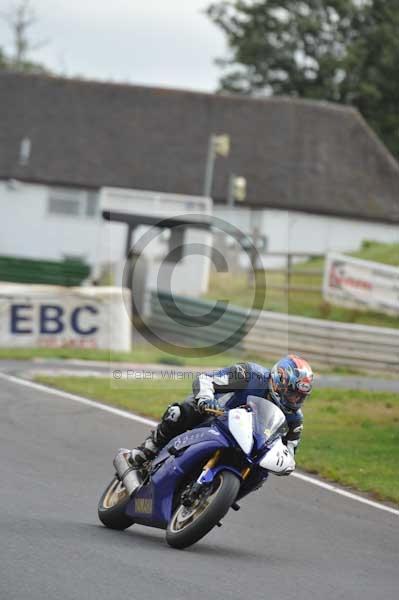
361 284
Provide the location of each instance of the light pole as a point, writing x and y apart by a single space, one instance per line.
218 145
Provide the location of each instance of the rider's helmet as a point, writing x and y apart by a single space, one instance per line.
291 381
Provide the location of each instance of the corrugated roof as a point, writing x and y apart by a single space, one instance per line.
295 154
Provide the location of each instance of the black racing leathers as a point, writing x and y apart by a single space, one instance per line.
239 381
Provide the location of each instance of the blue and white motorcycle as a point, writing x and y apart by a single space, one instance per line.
193 482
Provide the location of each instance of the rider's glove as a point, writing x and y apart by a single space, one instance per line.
204 403
206 394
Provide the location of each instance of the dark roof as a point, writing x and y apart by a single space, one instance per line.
295 154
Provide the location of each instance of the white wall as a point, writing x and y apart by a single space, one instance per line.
302 232
27 230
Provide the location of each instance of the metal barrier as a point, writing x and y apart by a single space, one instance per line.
174 315
272 334
325 342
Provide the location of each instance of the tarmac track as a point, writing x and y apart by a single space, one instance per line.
291 540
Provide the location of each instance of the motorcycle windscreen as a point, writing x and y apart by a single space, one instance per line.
241 427
269 421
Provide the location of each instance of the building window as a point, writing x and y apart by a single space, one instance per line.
91 204
63 206
72 203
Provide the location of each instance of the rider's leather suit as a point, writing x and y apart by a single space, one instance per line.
240 380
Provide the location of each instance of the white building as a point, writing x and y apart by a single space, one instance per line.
287 231
318 178
54 223
49 222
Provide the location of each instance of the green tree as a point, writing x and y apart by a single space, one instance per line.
3 62
20 18
343 51
372 70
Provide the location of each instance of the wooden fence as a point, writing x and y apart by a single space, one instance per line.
292 272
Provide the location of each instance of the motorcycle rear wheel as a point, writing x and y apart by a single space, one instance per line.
188 525
112 506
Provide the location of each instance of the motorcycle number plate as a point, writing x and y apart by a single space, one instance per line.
143 505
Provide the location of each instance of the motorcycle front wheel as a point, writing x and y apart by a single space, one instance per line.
190 524
112 506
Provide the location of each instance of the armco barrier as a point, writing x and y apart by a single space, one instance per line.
325 342
52 316
177 321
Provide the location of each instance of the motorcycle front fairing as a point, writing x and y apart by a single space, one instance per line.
270 426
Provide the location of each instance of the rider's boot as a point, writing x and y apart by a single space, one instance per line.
169 426
146 452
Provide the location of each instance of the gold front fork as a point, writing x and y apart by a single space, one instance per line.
245 472
212 462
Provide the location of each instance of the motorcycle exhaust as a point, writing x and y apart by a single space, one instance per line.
129 476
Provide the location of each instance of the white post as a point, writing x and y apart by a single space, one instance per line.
210 165
230 197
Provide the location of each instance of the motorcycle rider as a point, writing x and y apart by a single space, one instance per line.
287 385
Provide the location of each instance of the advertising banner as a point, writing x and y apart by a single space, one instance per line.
52 316
361 284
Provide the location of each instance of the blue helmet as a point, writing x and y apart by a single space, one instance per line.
291 381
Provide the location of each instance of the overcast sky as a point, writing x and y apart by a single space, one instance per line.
156 42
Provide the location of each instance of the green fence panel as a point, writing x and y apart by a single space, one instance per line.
26 270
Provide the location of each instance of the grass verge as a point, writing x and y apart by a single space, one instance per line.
350 437
236 290
143 354
148 355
